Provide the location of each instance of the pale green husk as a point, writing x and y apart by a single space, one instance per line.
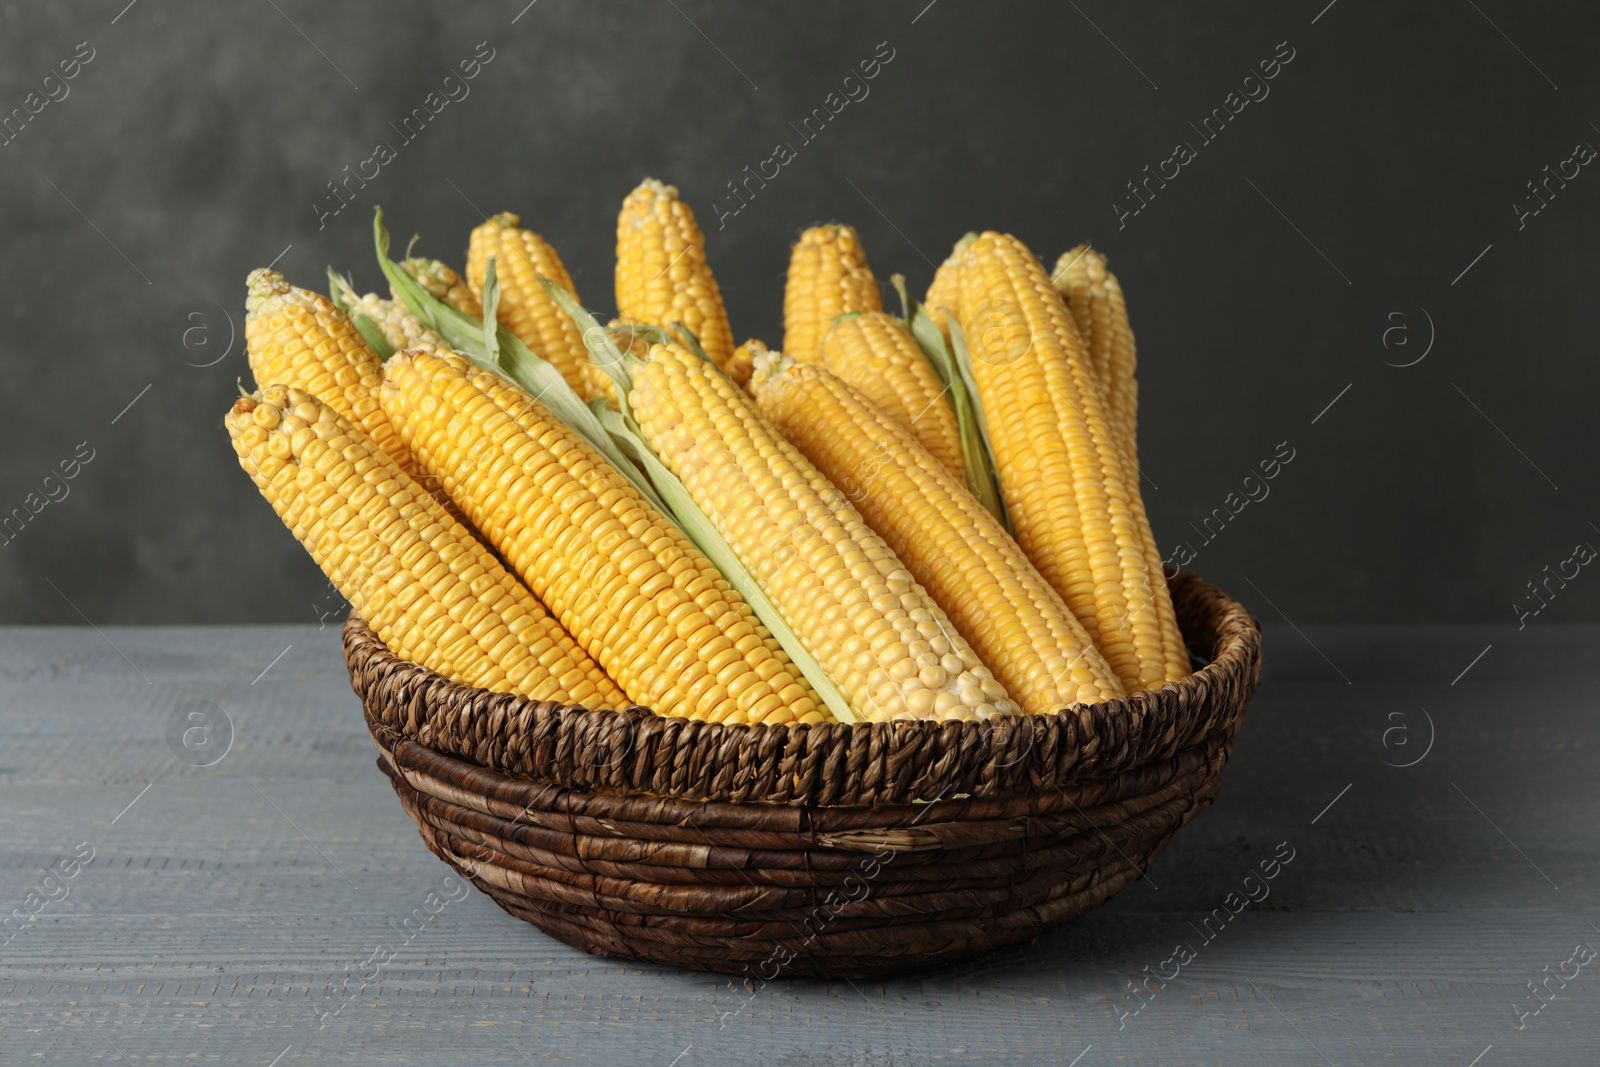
981 447
956 374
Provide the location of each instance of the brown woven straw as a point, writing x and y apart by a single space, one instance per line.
833 850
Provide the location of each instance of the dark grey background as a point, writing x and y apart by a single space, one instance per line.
1387 156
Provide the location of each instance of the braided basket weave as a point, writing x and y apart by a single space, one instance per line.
843 851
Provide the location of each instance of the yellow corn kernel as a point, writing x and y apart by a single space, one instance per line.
1094 297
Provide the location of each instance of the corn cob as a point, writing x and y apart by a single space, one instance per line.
399 327
881 639
299 338
955 549
433 594
522 257
874 352
943 298
442 282
1070 497
622 578
662 275
828 277
1094 297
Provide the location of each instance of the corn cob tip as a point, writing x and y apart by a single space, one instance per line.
828 275
340 289
958 251
657 188
743 359
1094 263
443 281
426 267
268 407
767 365
826 231
964 247
506 220
399 362
263 284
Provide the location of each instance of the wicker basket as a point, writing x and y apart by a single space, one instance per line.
843 851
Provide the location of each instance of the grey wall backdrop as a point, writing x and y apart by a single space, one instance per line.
1372 185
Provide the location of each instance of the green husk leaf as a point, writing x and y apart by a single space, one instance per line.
343 295
899 283
709 540
653 335
374 336
931 341
340 291
956 374
603 351
846 317
466 336
491 314
975 450
975 441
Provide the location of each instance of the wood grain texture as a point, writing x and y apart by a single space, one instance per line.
223 909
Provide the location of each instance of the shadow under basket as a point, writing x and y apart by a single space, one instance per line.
836 851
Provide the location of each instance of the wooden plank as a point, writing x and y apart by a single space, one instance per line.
225 904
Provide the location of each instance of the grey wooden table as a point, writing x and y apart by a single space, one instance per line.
158 910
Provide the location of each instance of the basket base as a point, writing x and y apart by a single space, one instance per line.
941 906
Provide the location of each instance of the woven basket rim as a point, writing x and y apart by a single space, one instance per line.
635 751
